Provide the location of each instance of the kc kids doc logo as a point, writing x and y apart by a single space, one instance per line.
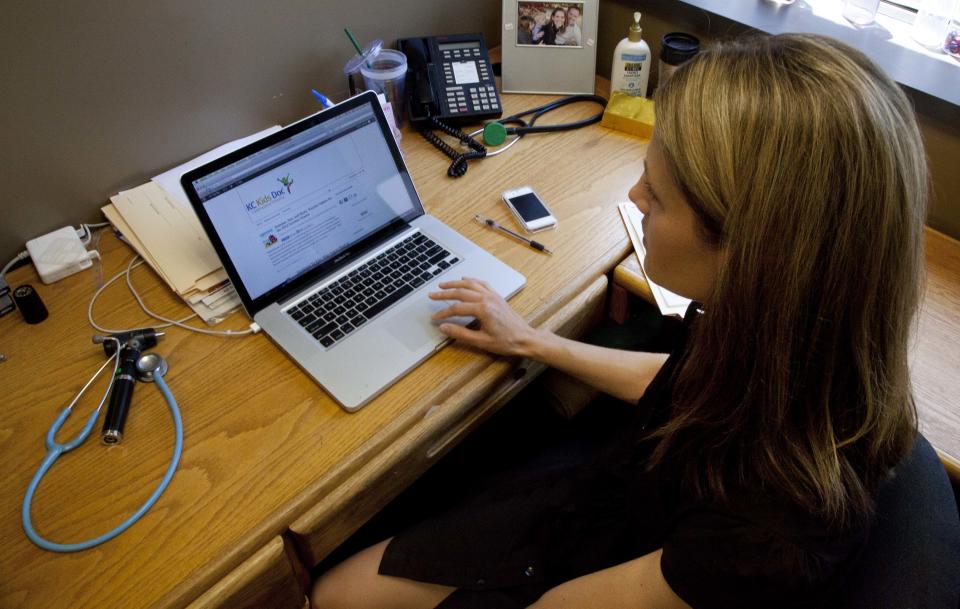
266 199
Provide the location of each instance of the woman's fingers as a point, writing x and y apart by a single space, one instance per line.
466 290
462 294
463 334
460 309
501 329
466 282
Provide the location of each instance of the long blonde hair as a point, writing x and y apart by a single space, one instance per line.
804 164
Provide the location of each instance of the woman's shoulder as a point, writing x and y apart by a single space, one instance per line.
762 515
755 539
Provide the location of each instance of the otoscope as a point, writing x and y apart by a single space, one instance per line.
131 345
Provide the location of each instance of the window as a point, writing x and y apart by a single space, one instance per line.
904 59
901 10
910 5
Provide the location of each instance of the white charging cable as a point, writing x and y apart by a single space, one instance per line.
135 262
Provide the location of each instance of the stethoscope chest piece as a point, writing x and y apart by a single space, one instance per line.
494 134
150 366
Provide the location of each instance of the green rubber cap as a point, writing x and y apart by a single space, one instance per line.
494 134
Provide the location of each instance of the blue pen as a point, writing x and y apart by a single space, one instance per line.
322 98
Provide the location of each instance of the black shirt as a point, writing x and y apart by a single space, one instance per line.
529 530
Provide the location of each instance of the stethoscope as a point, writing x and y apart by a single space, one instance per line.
147 367
496 132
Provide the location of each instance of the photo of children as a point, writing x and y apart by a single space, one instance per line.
550 24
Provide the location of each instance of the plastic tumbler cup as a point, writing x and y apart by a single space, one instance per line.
352 68
930 24
860 12
386 73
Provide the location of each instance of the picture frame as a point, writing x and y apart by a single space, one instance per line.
549 47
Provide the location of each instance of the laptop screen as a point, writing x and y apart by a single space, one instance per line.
303 201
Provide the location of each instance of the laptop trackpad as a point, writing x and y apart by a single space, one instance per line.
413 327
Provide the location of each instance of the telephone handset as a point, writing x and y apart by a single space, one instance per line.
450 78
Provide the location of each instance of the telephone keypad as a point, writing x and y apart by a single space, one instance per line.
481 97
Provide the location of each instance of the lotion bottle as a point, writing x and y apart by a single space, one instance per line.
631 63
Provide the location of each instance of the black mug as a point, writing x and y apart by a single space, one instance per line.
676 49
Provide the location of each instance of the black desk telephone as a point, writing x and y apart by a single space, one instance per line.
450 79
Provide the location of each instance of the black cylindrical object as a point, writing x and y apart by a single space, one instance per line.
120 396
30 305
676 49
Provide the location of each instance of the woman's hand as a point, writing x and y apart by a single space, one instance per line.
623 374
501 329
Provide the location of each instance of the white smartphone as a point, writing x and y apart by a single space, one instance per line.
529 209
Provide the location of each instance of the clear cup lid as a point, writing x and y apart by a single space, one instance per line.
369 52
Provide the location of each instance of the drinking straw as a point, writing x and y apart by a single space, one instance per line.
353 41
356 45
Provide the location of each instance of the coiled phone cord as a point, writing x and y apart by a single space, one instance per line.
459 165
55 449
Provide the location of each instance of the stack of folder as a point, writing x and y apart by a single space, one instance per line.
156 219
171 240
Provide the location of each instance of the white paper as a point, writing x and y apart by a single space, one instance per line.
668 302
217 297
170 180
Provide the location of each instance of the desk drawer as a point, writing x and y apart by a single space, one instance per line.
266 579
328 524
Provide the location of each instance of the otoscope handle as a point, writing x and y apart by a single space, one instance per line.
120 397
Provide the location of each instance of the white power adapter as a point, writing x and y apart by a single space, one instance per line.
59 254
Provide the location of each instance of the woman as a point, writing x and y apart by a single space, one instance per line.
784 190
571 35
557 24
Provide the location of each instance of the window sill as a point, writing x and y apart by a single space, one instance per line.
887 41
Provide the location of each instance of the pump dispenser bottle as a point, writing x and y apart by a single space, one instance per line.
631 63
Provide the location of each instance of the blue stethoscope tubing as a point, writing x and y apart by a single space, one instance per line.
55 449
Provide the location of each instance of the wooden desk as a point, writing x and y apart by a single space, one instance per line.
934 352
263 444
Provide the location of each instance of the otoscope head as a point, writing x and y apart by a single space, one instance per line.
139 340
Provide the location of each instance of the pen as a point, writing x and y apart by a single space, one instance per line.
493 224
322 98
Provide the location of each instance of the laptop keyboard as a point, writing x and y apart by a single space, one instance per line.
344 305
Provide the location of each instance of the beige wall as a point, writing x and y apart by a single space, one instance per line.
100 96
939 121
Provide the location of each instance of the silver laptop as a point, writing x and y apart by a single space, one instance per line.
326 241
